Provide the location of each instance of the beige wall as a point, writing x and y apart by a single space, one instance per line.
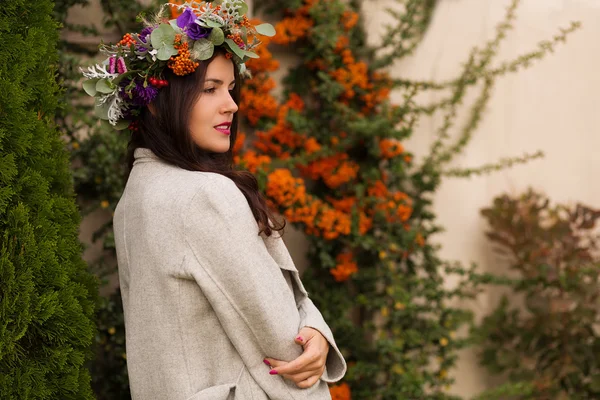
551 107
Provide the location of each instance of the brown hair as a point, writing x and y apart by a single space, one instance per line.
166 133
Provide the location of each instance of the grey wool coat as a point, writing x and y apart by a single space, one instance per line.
206 298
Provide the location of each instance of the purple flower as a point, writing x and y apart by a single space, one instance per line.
145 32
143 95
186 19
112 63
121 67
195 32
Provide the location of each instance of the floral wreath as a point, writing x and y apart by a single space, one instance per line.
131 76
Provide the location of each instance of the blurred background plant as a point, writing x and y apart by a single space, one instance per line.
550 343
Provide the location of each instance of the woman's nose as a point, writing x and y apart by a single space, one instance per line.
230 105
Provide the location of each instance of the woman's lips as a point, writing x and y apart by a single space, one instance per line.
224 129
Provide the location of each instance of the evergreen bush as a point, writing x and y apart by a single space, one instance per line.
47 296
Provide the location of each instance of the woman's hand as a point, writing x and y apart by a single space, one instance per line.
305 370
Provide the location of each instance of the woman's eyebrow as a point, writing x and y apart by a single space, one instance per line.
218 81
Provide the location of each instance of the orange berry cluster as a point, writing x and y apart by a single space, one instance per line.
246 22
345 267
127 40
182 64
238 40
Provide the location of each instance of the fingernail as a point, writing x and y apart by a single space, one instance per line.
299 338
273 372
267 362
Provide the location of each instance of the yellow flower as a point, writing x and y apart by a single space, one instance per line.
382 254
452 334
75 145
112 330
399 306
385 311
393 247
443 373
104 204
443 342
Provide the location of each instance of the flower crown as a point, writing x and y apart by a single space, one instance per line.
131 76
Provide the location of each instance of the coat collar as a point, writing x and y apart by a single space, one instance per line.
142 154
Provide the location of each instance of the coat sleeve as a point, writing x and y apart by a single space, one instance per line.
242 281
310 316
335 367
235 272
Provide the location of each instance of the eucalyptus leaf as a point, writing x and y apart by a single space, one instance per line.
217 37
166 52
203 49
235 48
122 124
265 29
162 36
90 86
101 110
104 86
173 24
251 54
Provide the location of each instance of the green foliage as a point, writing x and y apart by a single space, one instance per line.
109 370
46 296
98 160
552 343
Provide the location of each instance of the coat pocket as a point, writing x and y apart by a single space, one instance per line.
221 392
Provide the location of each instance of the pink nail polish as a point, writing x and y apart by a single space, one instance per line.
299 338
273 372
267 362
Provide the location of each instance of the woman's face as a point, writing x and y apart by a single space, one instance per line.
212 114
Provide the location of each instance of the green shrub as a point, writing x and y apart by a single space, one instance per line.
46 295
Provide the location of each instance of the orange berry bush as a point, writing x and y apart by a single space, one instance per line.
329 153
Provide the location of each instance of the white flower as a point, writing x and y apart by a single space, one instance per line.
153 53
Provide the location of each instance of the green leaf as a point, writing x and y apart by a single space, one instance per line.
104 86
203 49
265 29
173 24
90 86
164 53
243 8
122 124
251 54
212 24
162 36
217 37
101 111
235 48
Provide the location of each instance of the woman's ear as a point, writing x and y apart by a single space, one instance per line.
152 109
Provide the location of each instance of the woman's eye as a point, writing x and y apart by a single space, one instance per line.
209 90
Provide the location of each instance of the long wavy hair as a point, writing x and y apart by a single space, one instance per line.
166 132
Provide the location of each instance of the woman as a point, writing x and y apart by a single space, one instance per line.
214 307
